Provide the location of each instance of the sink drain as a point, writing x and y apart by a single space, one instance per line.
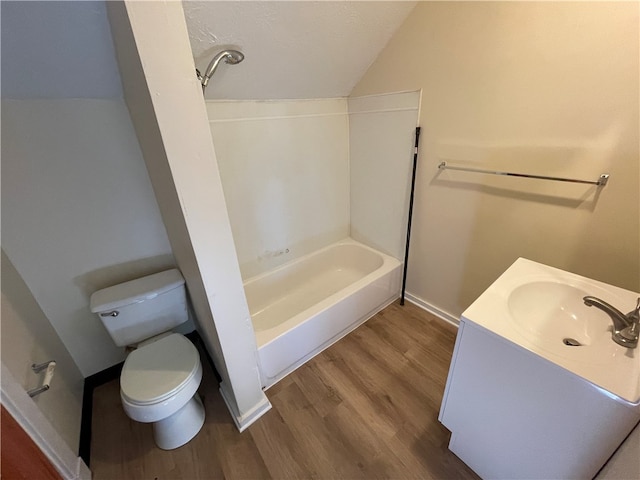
571 342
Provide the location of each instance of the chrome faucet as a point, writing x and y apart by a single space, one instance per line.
625 327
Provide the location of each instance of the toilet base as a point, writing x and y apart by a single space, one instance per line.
179 428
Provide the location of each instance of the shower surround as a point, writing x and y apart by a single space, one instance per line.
317 196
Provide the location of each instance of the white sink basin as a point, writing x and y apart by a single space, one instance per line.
553 311
539 307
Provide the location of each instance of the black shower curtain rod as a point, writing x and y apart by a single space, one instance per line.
413 188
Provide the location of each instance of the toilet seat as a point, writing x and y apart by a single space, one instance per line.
160 370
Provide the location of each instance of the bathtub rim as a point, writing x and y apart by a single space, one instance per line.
344 241
389 263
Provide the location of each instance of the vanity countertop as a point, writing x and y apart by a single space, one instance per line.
540 308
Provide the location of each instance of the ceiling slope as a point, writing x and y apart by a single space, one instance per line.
292 49
298 49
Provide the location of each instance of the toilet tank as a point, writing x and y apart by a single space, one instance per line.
136 310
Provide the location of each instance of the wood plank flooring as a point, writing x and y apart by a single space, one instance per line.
365 408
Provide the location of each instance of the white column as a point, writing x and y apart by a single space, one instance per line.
168 111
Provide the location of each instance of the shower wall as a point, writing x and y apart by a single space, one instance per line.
381 146
299 175
285 172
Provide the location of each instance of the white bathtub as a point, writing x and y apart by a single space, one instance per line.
302 307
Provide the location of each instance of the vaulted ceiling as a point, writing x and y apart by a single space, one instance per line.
293 49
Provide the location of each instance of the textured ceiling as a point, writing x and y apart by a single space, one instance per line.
298 49
292 49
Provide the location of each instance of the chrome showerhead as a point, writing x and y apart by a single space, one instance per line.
233 57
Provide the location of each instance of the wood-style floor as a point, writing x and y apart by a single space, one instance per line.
367 407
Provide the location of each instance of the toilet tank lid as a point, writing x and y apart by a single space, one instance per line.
135 291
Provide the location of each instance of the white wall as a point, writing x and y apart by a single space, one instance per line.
168 111
28 338
78 213
381 146
543 87
57 49
285 170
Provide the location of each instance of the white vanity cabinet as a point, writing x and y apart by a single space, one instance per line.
514 414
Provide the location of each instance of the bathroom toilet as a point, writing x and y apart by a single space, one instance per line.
160 378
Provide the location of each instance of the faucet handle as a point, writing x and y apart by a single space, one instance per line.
634 315
632 332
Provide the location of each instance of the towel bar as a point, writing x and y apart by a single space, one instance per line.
601 182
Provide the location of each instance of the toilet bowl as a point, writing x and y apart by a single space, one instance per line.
160 378
159 383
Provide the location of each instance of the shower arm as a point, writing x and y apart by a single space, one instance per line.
232 57
211 68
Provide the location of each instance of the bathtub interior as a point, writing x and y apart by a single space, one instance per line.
298 285
304 306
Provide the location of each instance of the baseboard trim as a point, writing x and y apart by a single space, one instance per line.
446 316
90 383
244 421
